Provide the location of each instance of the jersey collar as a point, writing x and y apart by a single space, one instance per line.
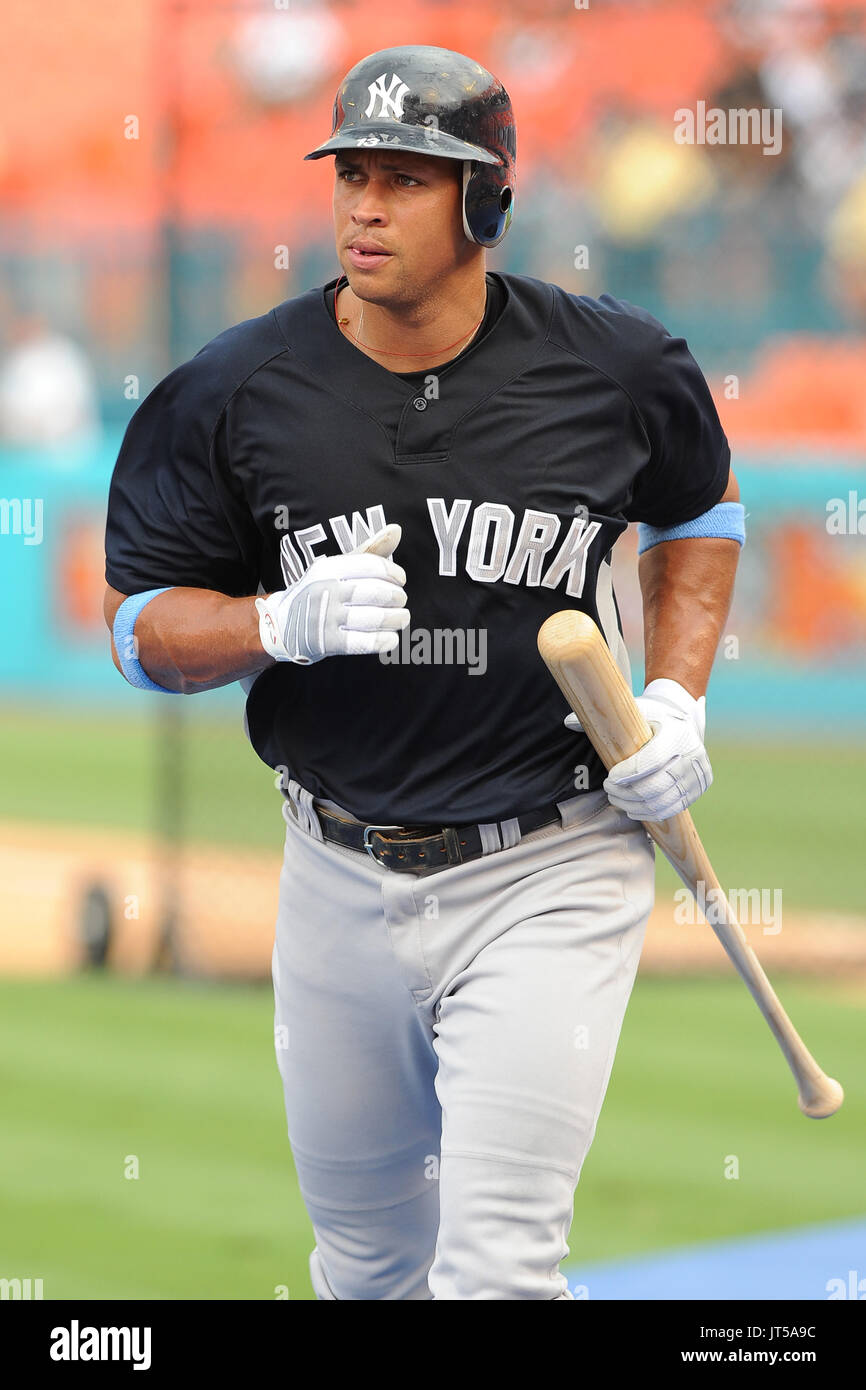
311 333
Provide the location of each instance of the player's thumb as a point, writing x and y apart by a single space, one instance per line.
383 543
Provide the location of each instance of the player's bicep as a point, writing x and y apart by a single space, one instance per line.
110 604
732 491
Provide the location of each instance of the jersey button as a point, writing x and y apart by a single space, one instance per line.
420 403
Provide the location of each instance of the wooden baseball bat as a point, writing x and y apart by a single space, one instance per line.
582 666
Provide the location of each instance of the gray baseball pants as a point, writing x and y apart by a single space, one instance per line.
445 1041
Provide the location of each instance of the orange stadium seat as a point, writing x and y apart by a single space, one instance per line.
174 70
804 389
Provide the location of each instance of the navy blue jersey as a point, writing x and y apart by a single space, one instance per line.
512 470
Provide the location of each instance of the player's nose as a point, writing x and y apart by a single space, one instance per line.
370 206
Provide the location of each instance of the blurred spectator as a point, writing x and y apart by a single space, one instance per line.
643 179
845 264
283 54
809 83
726 244
47 388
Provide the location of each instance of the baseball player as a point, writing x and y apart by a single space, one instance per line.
362 506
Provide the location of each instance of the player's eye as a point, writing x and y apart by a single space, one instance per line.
346 174
409 179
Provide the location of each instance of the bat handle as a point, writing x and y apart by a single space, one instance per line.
818 1094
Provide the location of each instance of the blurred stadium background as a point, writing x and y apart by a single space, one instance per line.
152 193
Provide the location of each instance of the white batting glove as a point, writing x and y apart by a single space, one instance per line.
672 770
343 605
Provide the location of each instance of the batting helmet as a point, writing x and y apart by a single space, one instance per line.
432 101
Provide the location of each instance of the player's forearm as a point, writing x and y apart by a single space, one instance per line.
190 640
687 587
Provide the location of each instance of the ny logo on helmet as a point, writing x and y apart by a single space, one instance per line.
390 101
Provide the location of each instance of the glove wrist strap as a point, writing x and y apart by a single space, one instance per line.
672 693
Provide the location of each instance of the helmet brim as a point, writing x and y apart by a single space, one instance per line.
394 135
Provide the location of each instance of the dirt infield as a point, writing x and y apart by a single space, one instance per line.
226 904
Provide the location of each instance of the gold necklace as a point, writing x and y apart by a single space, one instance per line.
380 352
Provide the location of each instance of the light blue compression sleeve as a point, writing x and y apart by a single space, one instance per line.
726 520
124 632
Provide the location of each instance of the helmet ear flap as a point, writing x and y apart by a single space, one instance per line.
487 205
468 171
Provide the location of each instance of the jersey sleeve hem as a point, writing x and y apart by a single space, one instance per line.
671 516
127 583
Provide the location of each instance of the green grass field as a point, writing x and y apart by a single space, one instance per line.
184 1078
769 820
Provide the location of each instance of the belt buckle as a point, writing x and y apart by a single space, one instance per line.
451 838
367 846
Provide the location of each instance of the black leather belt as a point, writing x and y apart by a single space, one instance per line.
410 848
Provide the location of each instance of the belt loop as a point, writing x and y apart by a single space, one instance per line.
490 841
579 808
510 832
302 804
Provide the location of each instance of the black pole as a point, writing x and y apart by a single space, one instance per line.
169 713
